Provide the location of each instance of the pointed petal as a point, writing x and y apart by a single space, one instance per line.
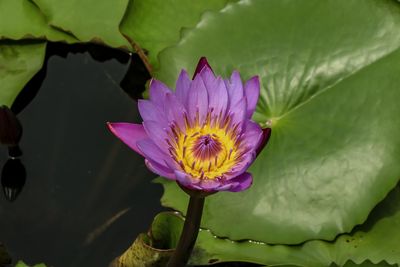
182 87
152 152
202 63
129 133
252 92
217 94
158 91
209 185
186 180
252 134
243 164
175 111
157 134
238 112
197 100
150 112
240 183
235 89
264 140
160 169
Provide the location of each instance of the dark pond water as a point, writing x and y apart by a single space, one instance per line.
86 195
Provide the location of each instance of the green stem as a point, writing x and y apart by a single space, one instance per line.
189 233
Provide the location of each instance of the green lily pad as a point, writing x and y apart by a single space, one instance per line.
330 90
19 62
368 245
21 19
88 20
155 25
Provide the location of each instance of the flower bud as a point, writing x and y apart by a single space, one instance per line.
10 127
13 178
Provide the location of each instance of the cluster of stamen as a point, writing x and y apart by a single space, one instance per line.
206 150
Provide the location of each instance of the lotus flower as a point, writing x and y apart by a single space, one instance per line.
202 134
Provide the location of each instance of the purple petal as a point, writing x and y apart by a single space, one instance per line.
252 92
186 180
152 152
238 112
234 88
243 164
150 112
217 94
240 183
157 134
160 169
202 63
197 100
264 140
129 133
209 185
252 134
158 92
175 111
182 87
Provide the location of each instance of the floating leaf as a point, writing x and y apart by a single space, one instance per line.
155 25
19 62
330 78
368 245
21 19
88 20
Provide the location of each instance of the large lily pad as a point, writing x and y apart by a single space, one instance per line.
88 20
155 25
368 245
19 62
329 73
21 19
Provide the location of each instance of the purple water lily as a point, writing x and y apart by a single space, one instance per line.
202 134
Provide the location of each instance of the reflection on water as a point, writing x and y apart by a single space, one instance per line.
85 195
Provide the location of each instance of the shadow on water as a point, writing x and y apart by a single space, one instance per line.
73 194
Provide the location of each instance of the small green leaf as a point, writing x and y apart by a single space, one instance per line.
19 62
141 253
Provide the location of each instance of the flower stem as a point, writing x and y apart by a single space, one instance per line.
189 232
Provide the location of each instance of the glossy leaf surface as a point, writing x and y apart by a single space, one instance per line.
330 91
88 20
375 243
155 25
21 19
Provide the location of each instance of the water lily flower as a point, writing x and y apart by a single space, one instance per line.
202 134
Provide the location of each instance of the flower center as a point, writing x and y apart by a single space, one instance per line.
206 147
206 151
